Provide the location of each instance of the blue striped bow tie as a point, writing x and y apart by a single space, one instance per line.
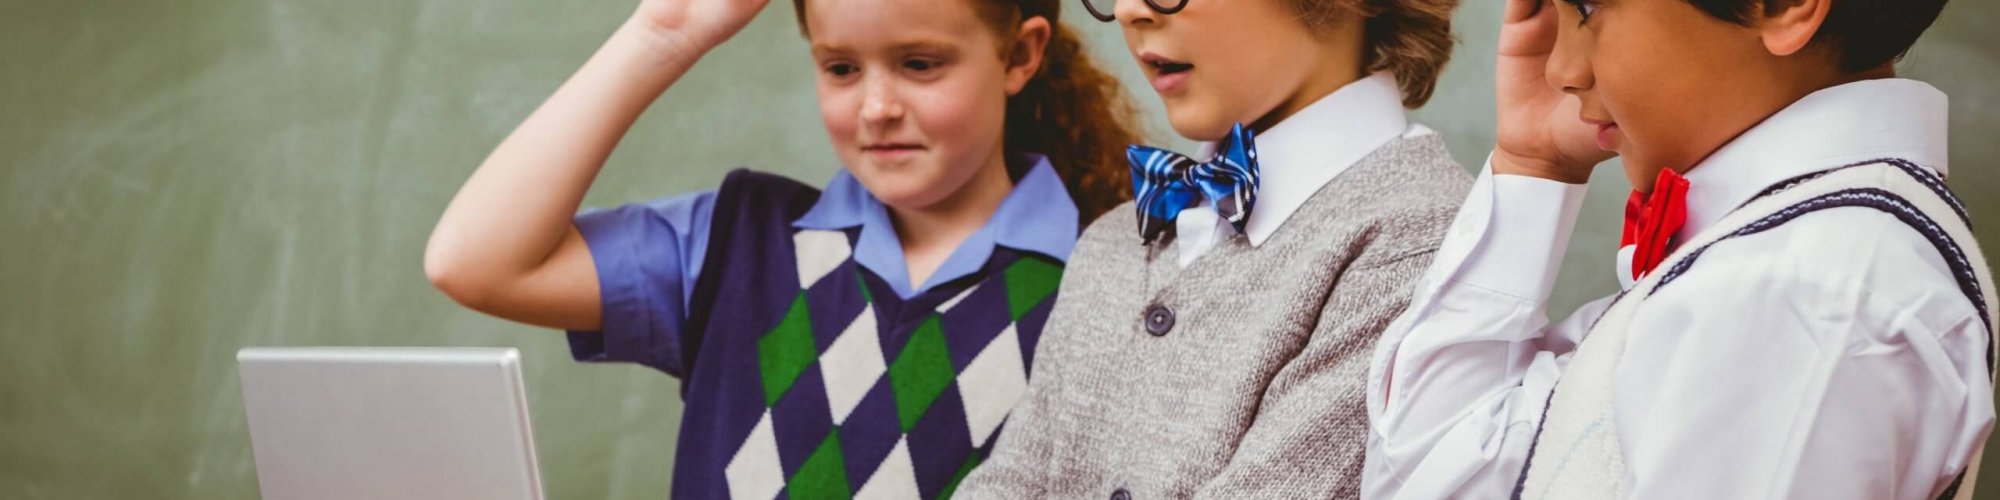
1165 182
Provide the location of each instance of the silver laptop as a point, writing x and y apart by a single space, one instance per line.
389 423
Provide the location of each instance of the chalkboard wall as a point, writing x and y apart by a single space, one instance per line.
184 179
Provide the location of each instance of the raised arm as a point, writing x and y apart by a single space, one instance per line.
1459 379
507 245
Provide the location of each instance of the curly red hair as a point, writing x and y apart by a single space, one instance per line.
1073 112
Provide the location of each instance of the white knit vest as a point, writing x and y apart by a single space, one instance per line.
1577 455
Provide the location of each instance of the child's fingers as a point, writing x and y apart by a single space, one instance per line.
1521 10
1529 30
1576 140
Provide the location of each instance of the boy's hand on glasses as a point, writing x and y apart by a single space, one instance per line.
1540 133
695 25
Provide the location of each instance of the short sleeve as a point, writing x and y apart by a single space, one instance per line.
648 256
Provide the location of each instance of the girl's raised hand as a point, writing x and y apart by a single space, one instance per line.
507 245
1539 132
696 25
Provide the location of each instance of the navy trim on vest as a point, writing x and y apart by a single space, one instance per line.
1924 176
1962 270
1952 489
1879 199
1521 484
1961 267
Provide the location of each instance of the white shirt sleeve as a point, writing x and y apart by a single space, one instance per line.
1459 380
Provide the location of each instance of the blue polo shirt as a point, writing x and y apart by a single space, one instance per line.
811 366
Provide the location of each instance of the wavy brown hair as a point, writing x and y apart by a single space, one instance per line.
1073 112
1409 38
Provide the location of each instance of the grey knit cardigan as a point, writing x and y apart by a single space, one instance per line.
1239 376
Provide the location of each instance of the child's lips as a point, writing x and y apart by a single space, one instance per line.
1168 82
892 150
1607 137
1607 133
1166 75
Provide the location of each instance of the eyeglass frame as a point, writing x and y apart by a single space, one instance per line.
1153 4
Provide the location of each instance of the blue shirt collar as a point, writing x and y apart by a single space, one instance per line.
1037 216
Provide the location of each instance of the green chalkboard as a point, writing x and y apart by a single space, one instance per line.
184 179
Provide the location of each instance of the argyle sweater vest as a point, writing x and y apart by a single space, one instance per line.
1576 453
811 378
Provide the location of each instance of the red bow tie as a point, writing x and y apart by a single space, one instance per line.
1652 219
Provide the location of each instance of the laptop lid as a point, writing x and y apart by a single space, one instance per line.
389 423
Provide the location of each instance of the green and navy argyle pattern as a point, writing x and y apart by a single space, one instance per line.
866 395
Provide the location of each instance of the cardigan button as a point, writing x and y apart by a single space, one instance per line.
1159 320
1121 494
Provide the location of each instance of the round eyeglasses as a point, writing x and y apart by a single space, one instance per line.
1105 10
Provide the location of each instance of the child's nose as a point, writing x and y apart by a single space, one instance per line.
1134 12
1569 68
880 103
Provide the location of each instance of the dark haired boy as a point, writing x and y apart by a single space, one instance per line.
1805 313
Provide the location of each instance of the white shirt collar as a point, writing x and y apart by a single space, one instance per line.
1301 154
1845 124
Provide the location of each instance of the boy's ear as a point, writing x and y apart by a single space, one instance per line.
1788 26
1024 59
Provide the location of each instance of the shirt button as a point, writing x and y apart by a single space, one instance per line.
1121 494
1159 320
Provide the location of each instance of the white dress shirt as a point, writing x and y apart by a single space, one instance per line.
1831 357
1300 155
